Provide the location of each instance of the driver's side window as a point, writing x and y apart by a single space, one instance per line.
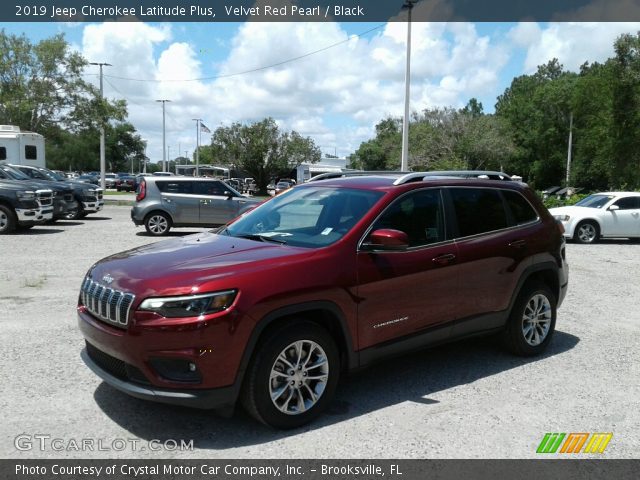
419 215
628 203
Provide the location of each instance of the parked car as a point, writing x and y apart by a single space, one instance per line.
327 277
163 203
92 179
601 215
282 186
63 202
126 183
87 198
110 180
22 207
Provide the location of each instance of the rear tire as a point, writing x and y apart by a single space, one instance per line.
157 224
587 232
8 220
293 375
532 320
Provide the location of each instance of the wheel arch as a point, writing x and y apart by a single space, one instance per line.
157 210
546 273
325 313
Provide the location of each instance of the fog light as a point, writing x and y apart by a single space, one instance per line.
176 369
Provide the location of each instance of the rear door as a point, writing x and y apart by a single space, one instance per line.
493 236
402 293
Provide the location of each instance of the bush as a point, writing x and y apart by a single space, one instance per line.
553 202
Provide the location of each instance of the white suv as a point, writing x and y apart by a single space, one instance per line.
601 215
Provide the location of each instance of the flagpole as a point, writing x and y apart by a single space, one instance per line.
197 120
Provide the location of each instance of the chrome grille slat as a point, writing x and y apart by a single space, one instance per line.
105 303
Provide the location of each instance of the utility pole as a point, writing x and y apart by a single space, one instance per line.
197 120
569 150
168 157
103 163
404 164
164 141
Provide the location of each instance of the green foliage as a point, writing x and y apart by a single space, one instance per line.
553 202
261 150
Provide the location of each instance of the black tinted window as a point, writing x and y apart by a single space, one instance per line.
419 215
478 210
166 186
3 153
521 209
629 203
211 188
30 152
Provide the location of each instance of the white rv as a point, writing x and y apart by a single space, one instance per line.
21 148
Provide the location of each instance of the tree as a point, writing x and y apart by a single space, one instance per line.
42 89
262 150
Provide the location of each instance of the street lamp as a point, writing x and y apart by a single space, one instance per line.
103 166
404 164
164 147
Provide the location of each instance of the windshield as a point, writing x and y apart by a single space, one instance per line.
594 201
309 217
50 175
14 174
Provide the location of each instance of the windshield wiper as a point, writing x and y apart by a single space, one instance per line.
261 238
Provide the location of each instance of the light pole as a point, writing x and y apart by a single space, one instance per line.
197 120
404 164
103 166
144 164
164 143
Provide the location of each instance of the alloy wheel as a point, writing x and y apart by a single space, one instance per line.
158 224
587 233
536 319
298 377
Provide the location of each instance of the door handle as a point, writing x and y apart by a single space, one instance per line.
204 202
444 259
519 244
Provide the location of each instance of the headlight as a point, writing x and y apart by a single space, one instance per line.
90 191
190 305
26 196
562 218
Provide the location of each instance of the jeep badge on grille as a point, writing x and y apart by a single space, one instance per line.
108 279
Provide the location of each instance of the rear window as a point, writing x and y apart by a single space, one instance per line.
478 210
521 209
166 186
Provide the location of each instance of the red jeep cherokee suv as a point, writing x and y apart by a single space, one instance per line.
328 277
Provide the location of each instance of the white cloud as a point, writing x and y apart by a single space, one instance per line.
336 95
571 43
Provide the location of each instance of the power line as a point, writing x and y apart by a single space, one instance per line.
253 70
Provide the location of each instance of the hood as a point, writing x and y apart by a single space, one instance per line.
569 210
182 265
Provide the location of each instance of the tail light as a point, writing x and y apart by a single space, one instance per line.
142 191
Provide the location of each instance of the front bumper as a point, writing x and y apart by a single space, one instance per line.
93 206
216 398
34 214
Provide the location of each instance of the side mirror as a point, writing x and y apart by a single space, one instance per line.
613 208
387 239
228 194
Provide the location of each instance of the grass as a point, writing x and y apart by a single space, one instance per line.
114 192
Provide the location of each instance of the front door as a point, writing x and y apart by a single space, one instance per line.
401 293
625 221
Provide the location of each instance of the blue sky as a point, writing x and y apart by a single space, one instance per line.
335 96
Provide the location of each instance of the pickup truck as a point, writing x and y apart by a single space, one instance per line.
23 207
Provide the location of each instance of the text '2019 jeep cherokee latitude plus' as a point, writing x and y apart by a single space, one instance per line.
329 276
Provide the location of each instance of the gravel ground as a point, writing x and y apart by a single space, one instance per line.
465 400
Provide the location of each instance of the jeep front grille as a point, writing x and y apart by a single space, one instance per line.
105 303
45 197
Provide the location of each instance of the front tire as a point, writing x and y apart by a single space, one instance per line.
8 220
532 320
157 224
587 232
293 375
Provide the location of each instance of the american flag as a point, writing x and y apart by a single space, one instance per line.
204 128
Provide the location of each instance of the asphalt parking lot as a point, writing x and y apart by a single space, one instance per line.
465 400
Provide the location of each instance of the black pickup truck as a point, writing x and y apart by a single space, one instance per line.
23 207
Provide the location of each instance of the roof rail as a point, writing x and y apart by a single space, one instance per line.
480 174
354 173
